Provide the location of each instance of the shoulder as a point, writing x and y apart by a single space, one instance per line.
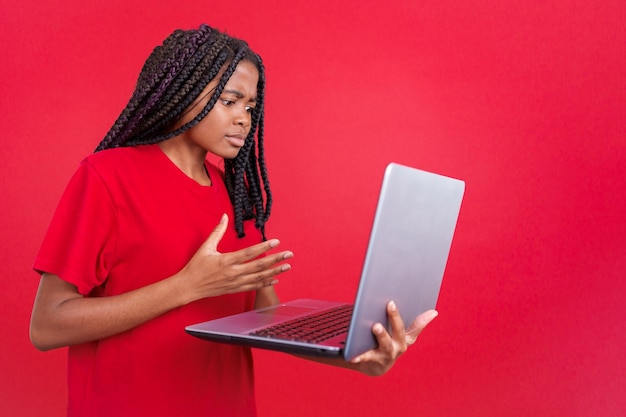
124 161
115 157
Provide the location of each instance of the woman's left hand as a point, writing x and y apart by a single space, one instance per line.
390 346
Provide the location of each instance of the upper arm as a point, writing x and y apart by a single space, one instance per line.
52 292
80 242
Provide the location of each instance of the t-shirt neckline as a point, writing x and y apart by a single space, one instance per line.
184 177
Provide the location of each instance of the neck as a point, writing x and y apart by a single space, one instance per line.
190 160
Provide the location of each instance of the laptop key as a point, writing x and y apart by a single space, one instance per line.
311 329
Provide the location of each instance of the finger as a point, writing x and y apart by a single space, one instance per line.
384 339
259 273
384 344
266 262
246 254
267 275
258 281
259 269
419 324
396 322
216 235
251 286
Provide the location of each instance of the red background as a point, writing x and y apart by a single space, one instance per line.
522 100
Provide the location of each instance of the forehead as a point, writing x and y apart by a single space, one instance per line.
246 76
243 81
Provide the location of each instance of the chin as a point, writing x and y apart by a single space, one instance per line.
228 154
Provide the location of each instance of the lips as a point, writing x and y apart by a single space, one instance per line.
237 139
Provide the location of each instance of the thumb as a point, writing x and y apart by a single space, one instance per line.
216 235
419 324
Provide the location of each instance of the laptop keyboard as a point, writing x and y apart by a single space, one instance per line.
313 328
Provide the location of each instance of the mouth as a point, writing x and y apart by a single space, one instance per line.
237 140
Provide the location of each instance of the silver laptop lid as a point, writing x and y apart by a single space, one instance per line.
408 249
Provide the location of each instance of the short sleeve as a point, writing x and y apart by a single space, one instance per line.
80 241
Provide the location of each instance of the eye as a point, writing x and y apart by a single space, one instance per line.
227 102
249 109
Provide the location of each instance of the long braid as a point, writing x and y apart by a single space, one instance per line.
160 69
173 77
185 89
261 158
245 168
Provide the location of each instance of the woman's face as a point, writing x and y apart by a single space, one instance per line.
224 129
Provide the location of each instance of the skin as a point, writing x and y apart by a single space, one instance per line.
61 316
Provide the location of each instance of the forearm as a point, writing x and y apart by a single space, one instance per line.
337 362
266 297
62 317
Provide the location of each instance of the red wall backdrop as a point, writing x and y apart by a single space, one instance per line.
523 100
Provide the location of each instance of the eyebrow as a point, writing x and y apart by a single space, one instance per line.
238 94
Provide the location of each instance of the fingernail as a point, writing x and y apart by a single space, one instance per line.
392 306
285 267
274 282
288 255
274 243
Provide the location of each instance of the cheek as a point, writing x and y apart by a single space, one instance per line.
210 122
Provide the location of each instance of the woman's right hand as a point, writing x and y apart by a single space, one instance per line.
210 273
62 316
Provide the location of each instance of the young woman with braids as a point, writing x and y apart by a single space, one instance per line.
141 243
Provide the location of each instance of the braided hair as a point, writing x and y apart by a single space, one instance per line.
173 77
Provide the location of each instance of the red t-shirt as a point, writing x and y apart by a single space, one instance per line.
130 217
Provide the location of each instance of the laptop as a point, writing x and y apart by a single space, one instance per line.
406 257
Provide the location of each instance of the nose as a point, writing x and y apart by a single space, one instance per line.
243 118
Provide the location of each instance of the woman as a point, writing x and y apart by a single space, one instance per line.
142 245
